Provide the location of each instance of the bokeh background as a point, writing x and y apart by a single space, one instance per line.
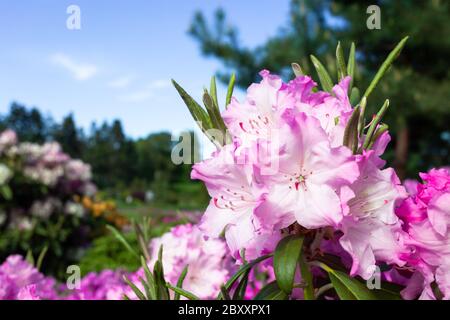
104 93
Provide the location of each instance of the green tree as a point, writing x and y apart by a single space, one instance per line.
29 125
70 137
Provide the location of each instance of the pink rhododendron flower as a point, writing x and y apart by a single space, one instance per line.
185 246
21 281
427 218
371 229
260 113
311 173
235 197
8 138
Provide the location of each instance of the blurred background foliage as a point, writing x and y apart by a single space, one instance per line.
418 84
123 168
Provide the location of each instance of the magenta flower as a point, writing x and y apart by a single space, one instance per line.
427 218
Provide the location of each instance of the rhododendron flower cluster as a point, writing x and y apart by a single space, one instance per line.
21 281
426 214
51 181
207 261
287 166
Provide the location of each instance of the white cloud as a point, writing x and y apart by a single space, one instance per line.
147 92
159 84
78 70
121 82
137 96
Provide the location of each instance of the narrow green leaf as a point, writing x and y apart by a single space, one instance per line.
351 131
271 292
135 289
340 62
29 257
148 293
285 261
150 279
354 96
197 112
375 121
213 90
41 257
385 66
224 292
242 270
324 77
180 281
362 119
141 240
308 291
239 293
380 130
230 90
214 112
351 64
183 292
122 240
297 69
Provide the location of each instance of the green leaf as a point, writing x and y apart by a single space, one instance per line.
324 77
385 66
346 287
354 96
285 261
122 240
135 289
183 292
383 294
180 281
41 257
297 69
351 64
351 130
224 292
340 62
29 257
230 90
239 293
197 112
213 91
150 280
141 240
380 130
6 192
242 270
308 291
214 112
271 292
375 123
147 289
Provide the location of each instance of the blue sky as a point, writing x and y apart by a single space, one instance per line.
120 63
